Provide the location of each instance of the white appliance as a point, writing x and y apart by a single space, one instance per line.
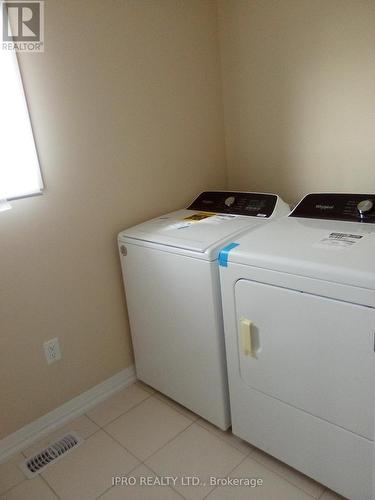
172 287
299 319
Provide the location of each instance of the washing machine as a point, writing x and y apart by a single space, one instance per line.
171 280
299 318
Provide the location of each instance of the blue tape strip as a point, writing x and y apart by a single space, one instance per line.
224 254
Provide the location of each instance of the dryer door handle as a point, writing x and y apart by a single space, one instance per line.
246 332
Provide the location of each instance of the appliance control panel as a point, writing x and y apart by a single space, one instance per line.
236 203
337 206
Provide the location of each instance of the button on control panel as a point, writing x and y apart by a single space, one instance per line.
236 203
337 206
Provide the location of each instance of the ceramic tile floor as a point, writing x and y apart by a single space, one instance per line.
142 435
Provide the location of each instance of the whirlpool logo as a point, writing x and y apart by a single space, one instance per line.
325 207
22 26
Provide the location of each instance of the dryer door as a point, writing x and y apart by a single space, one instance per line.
314 353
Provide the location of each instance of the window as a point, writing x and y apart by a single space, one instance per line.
19 165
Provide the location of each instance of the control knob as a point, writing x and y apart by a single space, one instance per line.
229 201
364 207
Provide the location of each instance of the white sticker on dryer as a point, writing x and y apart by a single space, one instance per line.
339 240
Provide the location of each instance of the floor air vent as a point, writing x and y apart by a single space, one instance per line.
36 464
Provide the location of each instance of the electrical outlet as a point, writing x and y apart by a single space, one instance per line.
52 350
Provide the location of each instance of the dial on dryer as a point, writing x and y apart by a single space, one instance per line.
364 207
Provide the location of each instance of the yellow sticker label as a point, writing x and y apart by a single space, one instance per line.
198 217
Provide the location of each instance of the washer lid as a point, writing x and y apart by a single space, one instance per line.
190 229
330 250
212 219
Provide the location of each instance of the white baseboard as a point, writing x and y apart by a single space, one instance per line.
71 409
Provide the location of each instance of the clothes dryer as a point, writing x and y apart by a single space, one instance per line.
299 317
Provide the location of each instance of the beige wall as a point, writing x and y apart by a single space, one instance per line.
299 94
126 108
